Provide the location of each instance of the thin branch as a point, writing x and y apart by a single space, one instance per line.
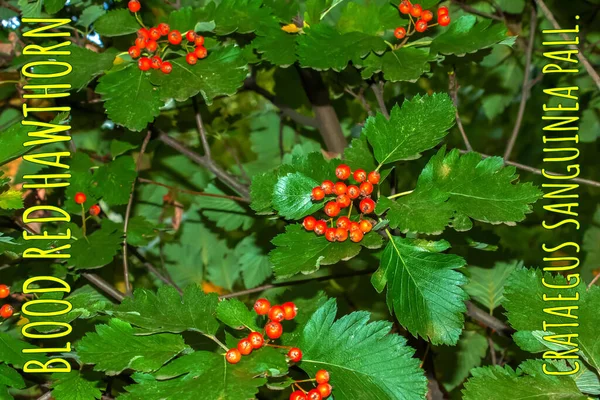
378 91
220 196
593 281
128 214
525 90
104 286
488 320
474 11
154 270
360 96
453 88
588 67
46 396
201 130
492 350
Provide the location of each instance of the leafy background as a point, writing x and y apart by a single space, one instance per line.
216 162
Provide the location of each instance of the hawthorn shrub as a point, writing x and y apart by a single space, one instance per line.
316 156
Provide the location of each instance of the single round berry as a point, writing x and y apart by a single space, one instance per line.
354 226
134 6
95 210
245 347
444 20
400 32
360 175
353 191
322 376
134 52
156 62
163 29
309 223
332 209
174 37
367 205
80 198
276 314
262 306
343 222
190 36
416 10
143 33
374 177
443 10
151 46
405 7
256 339
317 194
320 227
191 58
295 354
274 330
199 40
330 234
140 43
154 34
343 172
344 200
314 395
4 291
6 311
289 310
420 26
144 63
427 16
233 356
340 188
327 186
166 67
365 226
341 234
356 236
324 389
366 188
298 395
201 52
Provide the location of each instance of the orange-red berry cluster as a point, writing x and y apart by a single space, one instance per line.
80 198
345 194
6 311
424 18
323 389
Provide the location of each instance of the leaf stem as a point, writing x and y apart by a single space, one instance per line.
400 194
217 341
221 196
83 227
139 20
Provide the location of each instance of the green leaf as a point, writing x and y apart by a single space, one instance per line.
118 147
235 314
486 285
90 15
466 35
114 348
277 46
116 23
11 351
74 386
242 16
140 231
299 251
591 238
363 359
253 262
11 200
454 363
11 378
424 288
54 6
98 249
129 97
261 192
113 180
221 73
292 196
226 213
167 311
30 9
405 64
511 6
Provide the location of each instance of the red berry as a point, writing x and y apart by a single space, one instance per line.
354 226
444 20
134 6
322 376
256 339
233 356
80 198
443 11
343 172
174 37
274 330
154 34
324 389
276 314
360 175
134 52
4 291
191 58
95 210
245 347
353 191
374 177
144 63
140 43
366 188
298 395
330 234
343 222
6 311
420 26
314 395
405 7
199 40
317 193
320 227
343 200
427 16
166 67
400 33
156 62
367 205
332 209
190 36
143 33
309 223
339 188
416 10
356 236
201 52
327 186
365 226
289 310
262 306
163 29
151 46
295 354
341 235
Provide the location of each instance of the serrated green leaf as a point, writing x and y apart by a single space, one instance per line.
405 64
242 16
114 348
140 231
11 378
98 249
453 364
226 213
30 9
486 285
74 386
11 351
424 288
253 262
277 46
235 314
11 200
292 196
116 23
261 192
90 15
113 180
54 6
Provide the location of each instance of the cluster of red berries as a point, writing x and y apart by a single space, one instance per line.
345 194
80 198
424 17
6 311
322 390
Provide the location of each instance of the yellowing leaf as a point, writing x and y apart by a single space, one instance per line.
291 28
